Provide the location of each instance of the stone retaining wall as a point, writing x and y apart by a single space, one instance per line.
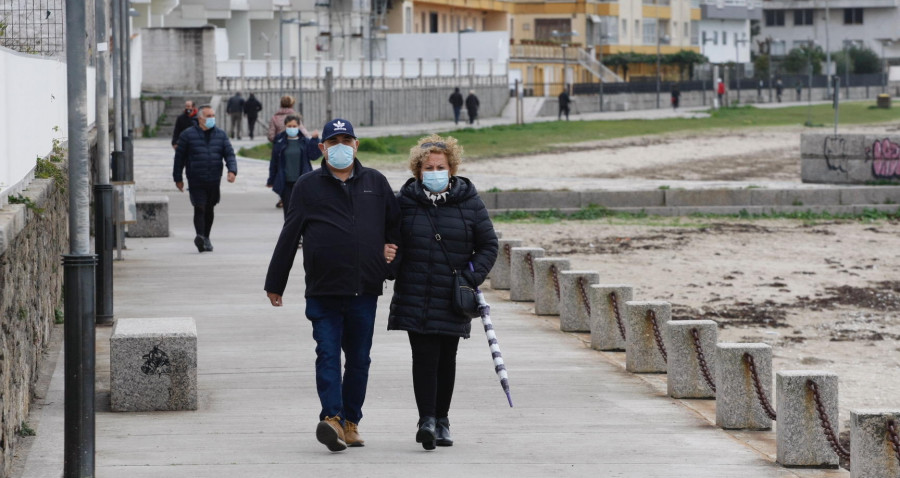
850 158
32 238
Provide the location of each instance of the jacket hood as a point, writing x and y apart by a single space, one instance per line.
461 189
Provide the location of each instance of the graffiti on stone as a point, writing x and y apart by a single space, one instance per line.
156 362
836 153
885 157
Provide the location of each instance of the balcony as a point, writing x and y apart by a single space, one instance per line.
543 51
820 4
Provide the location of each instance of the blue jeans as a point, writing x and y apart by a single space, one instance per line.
342 323
456 114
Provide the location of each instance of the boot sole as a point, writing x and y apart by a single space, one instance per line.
443 442
200 244
426 438
329 437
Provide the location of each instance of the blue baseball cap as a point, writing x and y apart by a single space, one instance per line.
335 127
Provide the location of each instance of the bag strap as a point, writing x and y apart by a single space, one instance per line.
437 237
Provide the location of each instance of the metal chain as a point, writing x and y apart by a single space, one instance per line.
530 262
892 435
826 424
507 253
554 272
651 316
703 367
584 296
763 400
615 306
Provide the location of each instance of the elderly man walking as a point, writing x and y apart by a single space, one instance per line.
201 150
346 214
235 110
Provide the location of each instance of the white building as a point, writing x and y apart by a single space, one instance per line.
725 29
831 24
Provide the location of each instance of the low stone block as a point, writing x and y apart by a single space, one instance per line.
521 275
153 364
707 197
872 455
737 404
642 352
152 218
501 269
609 316
616 199
800 440
574 302
546 284
685 377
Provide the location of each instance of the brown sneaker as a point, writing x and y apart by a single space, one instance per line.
351 434
330 433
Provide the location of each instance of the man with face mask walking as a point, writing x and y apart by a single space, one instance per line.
201 150
346 214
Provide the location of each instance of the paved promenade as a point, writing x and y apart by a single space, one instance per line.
578 413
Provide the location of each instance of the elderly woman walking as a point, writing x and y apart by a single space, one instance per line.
437 202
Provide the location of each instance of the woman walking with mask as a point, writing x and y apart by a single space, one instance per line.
437 202
291 156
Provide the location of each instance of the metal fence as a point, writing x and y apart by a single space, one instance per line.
33 26
788 82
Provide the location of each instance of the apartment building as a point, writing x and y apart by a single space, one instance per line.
725 29
832 24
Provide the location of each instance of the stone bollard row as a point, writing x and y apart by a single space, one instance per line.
546 284
739 386
500 271
800 439
645 345
609 315
521 273
574 304
691 365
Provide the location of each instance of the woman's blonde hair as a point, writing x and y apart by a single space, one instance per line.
287 101
435 144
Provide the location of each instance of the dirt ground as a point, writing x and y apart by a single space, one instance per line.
825 296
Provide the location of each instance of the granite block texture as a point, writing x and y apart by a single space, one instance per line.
606 329
871 455
685 377
737 405
521 274
152 218
642 354
500 271
574 300
546 276
800 440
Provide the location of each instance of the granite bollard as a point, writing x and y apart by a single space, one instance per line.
800 440
574 303
872 454
737 402
642 350
153 364
500 271
521 273
685 367
608 321
546 284
152 217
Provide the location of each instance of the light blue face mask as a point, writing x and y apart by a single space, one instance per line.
292 132
340 156
210 123
436 181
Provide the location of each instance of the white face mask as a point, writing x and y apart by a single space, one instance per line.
340 156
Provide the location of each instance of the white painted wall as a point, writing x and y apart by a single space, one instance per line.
477 45
723 52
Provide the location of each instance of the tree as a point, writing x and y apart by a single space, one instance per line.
863 60
761 66
685 59
798 59
842 61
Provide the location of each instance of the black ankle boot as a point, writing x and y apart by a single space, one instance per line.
425 434
442 432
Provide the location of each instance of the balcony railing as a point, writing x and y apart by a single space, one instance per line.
542 52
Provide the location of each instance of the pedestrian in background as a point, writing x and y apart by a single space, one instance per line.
184 121
437 201
676 97
235 110
346 215
201 151
564 103
472 105
252 107
779 88
799 87
276 123
720 90
292 154
456 100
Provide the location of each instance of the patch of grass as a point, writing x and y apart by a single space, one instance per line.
47 169
58 316
664 187
29 204
262 151
375 145
25 430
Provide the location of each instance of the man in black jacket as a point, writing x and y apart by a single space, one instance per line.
345 214
201 150
456 100
472 105
235 110
184 121
252 107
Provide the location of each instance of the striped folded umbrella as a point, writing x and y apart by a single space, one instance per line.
499 367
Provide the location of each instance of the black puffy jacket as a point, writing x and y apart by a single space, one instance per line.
422 291
202 155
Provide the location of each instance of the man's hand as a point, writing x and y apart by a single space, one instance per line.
180 185
231 177
275 299
390 252
174 146
314 134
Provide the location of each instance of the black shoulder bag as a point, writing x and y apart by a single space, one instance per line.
464 301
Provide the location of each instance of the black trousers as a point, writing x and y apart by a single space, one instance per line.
434 372
286 197
204 198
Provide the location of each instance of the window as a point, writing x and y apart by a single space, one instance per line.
724 37
543 28
649 31
853 16
637 28
624 28
774 18
432 22
408 23
803 17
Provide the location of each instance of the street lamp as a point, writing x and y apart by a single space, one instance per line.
459 48
300 24
659 39
884 68
372 30
737 61
704 40
568 36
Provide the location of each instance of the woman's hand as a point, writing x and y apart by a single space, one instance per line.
390 252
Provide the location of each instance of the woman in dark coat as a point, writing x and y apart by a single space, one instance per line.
291 156
422 292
